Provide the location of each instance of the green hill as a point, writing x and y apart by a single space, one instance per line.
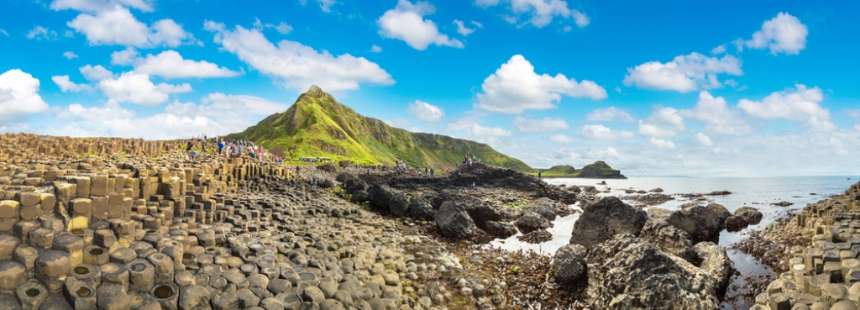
316 125
597 170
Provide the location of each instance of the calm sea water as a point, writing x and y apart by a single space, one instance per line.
758 193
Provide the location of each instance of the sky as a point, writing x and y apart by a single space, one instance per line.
680 88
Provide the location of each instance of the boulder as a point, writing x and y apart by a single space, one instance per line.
714 260
387 200
421 210
606 218
531 221
668 238
627 273
701 223
548 208
453 221
354 186
736 223
751 215
568 266
499 229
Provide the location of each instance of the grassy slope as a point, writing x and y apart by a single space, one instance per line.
598 169
318 126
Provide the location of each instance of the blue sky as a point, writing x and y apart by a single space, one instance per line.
655 88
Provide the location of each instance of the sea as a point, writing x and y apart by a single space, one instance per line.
756 192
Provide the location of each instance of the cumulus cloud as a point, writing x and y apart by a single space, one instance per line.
515 87
96 73
663 122
41 33
425 111
117 26
601 132
70 55
406 22
464 30
19 95
137 88
100 5
123 57
546 124
798 104
177 120
170 64
282 27
717 115
539 13
661 143
66 85
684 73
296 65
471 129
609 114
375 48
782 34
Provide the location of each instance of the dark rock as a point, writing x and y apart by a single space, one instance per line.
387 200
736 223
701 223
569 267
782 204
536 236
548 208
606 218
751 215
531 221
421 210
453 221
668 238
499 229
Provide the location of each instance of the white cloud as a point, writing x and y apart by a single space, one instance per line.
138 88
560 138
717 115
464 30
601 132
296 65
539 13
661 143
117 26
704 139
41 33
515 87
66 85
375 49
282 27
100 5
663 122
609 114
325 5
96 73
19 95
425 111
781 34
798 104
684 73
170 64
123 57
472 129
70 55
406 22
546 124
176 120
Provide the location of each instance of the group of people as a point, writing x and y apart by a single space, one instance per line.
229 148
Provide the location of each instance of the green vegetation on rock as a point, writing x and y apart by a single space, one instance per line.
317 126
597 170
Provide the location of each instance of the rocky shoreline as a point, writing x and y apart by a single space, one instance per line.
119 224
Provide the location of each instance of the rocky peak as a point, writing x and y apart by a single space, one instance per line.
316 92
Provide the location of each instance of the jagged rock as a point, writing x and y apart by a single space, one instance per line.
453 221
548 208
736 223
387 200
714 260
668 238
569 267
421 210
536 236
752 215
701 223
531 221
606 218
627 273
